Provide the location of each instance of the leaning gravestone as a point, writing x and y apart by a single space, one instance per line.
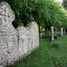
8 35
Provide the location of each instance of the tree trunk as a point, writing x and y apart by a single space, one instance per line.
64 31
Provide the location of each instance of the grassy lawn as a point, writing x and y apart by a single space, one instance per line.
49 54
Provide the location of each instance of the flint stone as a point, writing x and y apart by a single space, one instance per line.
15 43
23 41
28 38
8 35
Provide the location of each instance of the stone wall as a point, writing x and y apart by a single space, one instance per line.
15 43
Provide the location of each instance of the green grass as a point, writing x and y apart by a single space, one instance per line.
49 54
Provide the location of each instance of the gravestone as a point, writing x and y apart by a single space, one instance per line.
52 31
62 31
8 35
34 35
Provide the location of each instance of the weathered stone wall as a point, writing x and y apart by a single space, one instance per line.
15 43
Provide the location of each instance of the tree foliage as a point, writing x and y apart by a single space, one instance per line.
46 13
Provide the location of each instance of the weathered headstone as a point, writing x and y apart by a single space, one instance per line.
62 31
8 35
52 31
34 35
